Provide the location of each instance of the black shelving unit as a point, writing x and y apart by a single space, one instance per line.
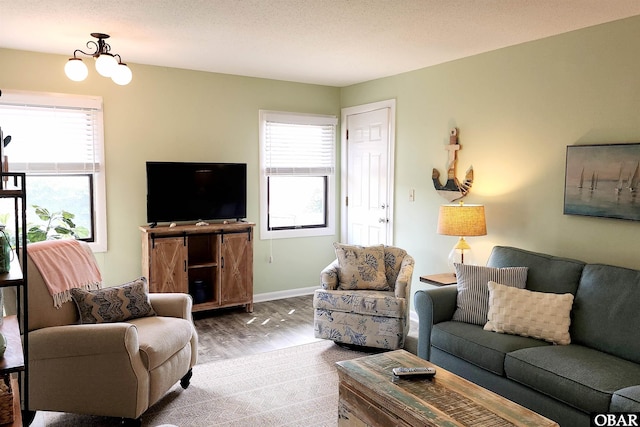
15 327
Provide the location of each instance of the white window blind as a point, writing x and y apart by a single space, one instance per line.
57 135
57 140
299 144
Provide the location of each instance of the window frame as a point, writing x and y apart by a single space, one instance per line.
330 177
98 183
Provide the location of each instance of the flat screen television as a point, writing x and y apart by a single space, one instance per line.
183 191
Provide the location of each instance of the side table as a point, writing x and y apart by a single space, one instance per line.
440 279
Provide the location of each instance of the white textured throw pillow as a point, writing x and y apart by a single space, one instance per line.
522 312
473 290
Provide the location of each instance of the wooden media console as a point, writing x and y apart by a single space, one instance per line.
213 263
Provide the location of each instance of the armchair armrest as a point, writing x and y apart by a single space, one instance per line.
73 341
433 306
87 368
172 304
329 276
402 286
177 305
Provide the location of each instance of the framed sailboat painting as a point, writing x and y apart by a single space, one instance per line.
603 181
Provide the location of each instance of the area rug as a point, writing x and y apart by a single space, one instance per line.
295 386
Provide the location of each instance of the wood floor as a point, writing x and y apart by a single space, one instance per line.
230 333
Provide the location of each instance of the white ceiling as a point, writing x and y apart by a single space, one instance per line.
329 42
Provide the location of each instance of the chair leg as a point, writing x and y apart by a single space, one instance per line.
27 417
186 380
131 422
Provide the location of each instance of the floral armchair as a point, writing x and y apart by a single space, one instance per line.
364 299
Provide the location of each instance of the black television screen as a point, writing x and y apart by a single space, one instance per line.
182 191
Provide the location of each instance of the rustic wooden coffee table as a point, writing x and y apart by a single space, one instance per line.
371 396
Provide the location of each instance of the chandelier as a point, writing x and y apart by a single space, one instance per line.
106 63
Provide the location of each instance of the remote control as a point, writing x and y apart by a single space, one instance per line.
426 372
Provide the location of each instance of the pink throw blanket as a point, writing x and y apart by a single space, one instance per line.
64 265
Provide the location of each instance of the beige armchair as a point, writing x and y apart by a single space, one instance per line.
350 310
107 369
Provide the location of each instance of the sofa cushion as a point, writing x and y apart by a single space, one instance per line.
113 304
626 400
541 315
361 267
605 313
472 303
547 273
475 345
156 345
372 303
576 375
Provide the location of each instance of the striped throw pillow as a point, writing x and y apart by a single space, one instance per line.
472 305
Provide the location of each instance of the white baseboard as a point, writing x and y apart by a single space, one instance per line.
270 296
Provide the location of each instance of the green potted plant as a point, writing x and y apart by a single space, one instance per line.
55 225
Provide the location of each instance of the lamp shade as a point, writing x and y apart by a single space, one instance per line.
462 220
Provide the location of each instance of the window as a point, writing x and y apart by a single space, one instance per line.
297 179
57 140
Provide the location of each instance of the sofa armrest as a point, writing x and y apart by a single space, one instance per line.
329 276
402 287
172 304
433 306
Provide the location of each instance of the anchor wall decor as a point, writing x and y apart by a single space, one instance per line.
453 189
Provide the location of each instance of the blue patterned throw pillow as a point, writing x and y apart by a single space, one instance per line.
361 267
114 304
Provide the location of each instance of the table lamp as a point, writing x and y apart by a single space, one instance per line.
461 220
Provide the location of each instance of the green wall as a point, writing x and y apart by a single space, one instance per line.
516 108
180 115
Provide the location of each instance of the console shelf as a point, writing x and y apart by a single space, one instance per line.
13 366
213 263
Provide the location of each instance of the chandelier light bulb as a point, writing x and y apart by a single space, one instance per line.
106 64
76 70
122 75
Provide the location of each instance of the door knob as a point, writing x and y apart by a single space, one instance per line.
381 220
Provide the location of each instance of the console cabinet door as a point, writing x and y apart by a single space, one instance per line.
168 265
237 268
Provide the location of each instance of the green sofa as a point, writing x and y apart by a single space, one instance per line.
598 371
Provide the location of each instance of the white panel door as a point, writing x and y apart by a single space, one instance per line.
367 178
